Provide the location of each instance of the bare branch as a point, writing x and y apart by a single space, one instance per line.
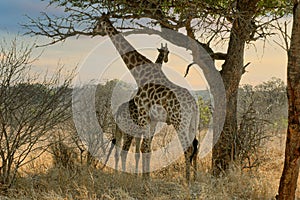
29 109
283 30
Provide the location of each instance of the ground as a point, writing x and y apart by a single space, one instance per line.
40 180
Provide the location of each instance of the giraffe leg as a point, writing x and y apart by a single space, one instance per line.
146 156
127 139
187 156
137 153
195 166
146 150
185 137
118 140
191 155
117 156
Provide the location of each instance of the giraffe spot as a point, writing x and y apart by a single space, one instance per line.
160 100
143 94
147 74
164 93
141 59
160 89
125 59
130 66
133 59
142 73
124 46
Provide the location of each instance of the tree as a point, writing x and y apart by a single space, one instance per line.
262 111
103 105
204 112
93 119
288 181
239 22
30 109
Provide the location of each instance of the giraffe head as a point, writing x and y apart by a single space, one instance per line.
103 25
164 51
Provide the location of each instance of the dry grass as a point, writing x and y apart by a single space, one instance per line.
40 180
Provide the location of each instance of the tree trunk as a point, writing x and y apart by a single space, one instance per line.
222 152
232 70
288 181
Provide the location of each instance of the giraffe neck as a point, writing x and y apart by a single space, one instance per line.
160 58
129 55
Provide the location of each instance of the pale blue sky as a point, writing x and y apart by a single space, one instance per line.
12 13
265 62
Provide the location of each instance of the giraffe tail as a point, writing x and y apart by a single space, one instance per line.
195 149
194 130
188 69
113 143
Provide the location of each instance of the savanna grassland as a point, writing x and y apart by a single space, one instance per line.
42 156
41 179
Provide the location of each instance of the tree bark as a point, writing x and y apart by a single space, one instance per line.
288 181
232 70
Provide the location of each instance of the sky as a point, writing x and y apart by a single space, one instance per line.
96 58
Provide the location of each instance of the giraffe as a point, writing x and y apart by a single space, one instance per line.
122 118
157 99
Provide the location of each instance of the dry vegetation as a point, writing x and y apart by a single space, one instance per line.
42 180
42 156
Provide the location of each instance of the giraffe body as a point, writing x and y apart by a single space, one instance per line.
124 117
157 99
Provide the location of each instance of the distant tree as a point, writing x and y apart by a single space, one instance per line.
261 109
30 109
288 181
268 99
104 105
88 140
273 103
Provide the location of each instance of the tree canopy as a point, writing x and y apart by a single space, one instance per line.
204 20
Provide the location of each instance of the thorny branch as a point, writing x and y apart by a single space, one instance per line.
207 22
29 109
284 33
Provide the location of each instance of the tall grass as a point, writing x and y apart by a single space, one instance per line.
42 180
